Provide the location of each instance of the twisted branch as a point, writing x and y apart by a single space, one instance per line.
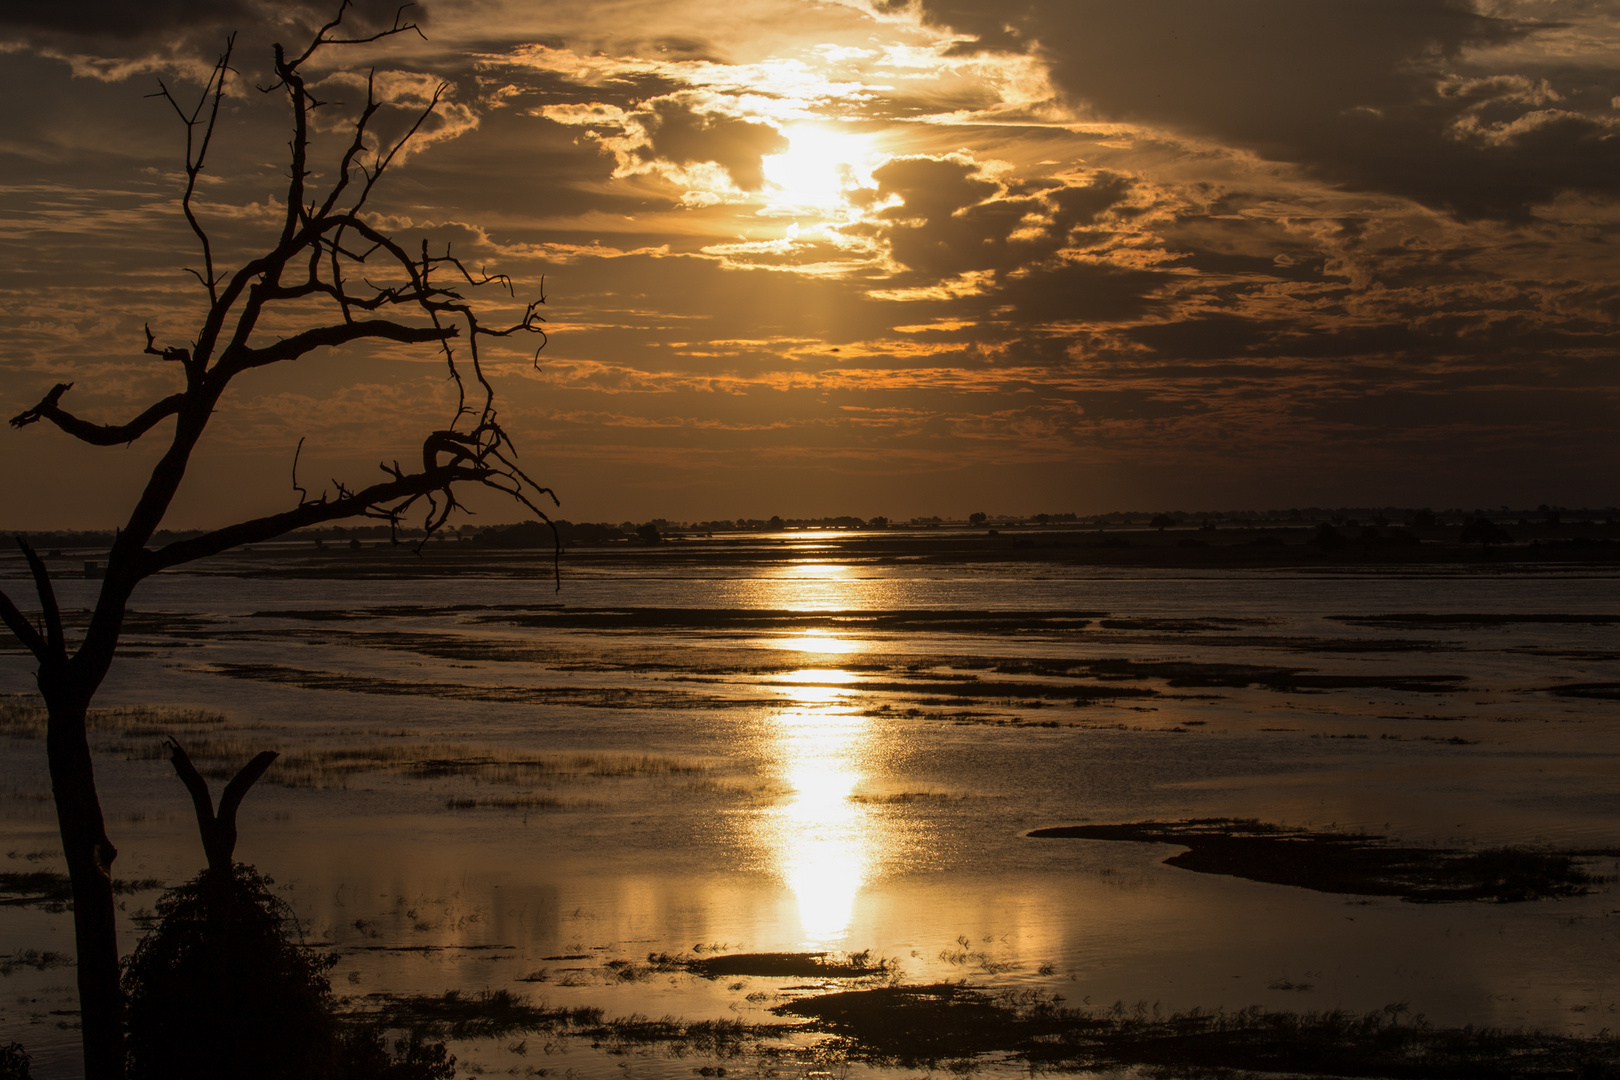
97 434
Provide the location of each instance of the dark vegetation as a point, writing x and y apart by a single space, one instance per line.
956 1025
223 984
784 965
1426 619
53 891
14 1062
959 1027
1360 865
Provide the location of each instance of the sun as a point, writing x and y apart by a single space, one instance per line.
823 163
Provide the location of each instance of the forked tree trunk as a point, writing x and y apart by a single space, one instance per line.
89 856
322 252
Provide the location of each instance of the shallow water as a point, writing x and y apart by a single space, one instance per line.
818 751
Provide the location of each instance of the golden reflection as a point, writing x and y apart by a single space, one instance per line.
807 584
823 843
818 641
812 570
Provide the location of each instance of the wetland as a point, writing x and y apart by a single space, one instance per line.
812 804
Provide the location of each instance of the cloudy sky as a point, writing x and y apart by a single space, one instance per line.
873 256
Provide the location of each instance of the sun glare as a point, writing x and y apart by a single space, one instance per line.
821 164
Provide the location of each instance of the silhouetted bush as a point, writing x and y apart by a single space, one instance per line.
222 987
14 1062
1484 532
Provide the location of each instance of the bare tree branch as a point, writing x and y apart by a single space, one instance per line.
201 799
96 434
218 829
330 337
18 624
237 789
391 498
55 642
197 153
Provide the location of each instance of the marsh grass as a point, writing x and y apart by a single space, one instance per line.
312 765
946 1023
750 791
35 959
906 798
959 1028
965 955
586 697
52 891
823 965
484 1015
24 720
506 802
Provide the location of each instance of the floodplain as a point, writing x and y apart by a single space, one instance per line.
814 802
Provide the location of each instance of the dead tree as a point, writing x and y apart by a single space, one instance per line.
337 275
217 828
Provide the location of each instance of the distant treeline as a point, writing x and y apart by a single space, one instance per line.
539 534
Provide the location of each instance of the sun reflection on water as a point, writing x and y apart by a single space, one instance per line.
823 842
817 641
807 584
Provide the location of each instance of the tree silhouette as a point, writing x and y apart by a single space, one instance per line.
1484 532
331 271
223 984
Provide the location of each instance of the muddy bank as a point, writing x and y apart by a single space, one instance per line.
1358 865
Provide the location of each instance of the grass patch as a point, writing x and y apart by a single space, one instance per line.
1600 691
20 720
904 798
588 697
500 1013
954 1024
54 892
1417 618
33 958
1359 865
783 965
957 1026
505 802
485 1015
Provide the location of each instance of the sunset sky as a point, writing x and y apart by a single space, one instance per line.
869 258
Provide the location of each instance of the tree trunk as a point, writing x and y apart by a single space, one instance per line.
89 857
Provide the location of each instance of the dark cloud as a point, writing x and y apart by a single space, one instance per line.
120 27
680 134
951 219
1533 410
1365 93
121 19
1072 292
945 224
1207 337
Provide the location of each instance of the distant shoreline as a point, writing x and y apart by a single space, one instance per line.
1191 549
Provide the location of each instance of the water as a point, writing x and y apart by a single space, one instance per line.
811 749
